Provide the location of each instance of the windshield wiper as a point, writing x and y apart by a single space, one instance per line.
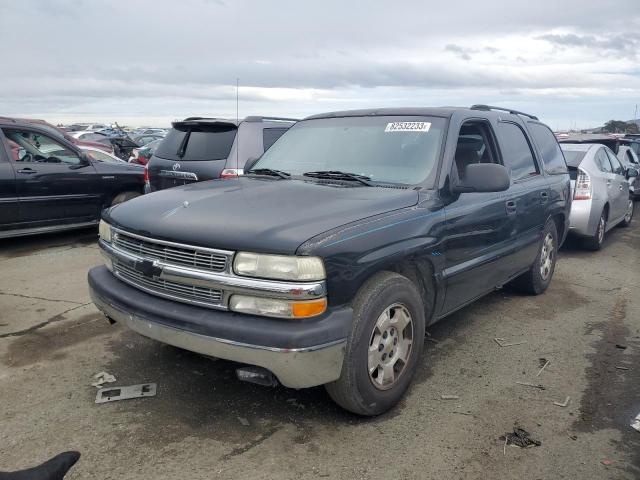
269 171
338 175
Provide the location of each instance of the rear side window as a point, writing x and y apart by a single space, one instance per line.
198 142
617 166
602 161
574 157
270 135
552 157
516 151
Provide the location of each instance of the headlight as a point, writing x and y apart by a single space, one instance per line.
273 307
104 230
278 267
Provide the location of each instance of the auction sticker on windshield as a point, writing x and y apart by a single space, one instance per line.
408 127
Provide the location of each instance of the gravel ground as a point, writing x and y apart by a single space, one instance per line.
203 423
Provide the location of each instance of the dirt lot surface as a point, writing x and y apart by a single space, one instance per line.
203 423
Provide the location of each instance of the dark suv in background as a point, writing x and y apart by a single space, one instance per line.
198 149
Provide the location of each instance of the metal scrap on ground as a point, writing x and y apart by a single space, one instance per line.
636 423
520 438
102 378
566 402
503 343
533 385
449 397
113 394
543 367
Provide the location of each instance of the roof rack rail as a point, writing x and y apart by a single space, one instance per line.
487 108
258 118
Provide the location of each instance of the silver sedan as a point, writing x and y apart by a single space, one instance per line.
600 191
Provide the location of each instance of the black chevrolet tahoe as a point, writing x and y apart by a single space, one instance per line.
325 263
48 183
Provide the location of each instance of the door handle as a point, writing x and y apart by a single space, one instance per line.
510 206
544 197
27 170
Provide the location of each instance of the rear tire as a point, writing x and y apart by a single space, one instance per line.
123 197
629 215
384 346
537 279
595 243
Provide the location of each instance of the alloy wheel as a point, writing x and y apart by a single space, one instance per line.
547 256
390 346
627 217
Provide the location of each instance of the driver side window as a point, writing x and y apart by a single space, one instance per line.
31 146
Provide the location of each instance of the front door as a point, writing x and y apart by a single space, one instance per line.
479 226
54 184
620 186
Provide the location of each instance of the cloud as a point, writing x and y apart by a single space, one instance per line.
150 59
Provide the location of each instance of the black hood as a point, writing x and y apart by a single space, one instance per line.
254 214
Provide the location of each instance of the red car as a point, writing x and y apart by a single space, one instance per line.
61 133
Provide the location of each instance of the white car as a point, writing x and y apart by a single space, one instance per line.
628 158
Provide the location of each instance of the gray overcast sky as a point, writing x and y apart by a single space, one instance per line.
572 62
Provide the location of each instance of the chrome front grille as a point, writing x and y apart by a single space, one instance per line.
187 293
201 259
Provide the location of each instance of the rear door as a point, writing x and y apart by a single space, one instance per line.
53 182
529 189
8 191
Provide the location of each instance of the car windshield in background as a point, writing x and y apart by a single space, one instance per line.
198 142
390 149
574 157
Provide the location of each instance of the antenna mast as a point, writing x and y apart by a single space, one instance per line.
238 122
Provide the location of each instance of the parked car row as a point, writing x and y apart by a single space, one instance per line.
324 247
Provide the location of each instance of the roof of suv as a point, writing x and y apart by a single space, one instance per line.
445 112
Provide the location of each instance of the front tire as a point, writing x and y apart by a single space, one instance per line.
384 346
629 215
537 279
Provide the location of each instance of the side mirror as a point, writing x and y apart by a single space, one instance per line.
632 172
484 177
251 161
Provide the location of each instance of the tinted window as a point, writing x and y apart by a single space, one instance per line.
197 143
394 149
516 151
574 157
602 161
552 157
30 146
270 135
617 166
630 158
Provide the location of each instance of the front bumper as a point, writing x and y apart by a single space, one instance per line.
300 354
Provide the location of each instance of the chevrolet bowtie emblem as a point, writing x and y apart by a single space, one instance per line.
148 268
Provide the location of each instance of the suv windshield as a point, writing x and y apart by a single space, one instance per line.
389 149
197 142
